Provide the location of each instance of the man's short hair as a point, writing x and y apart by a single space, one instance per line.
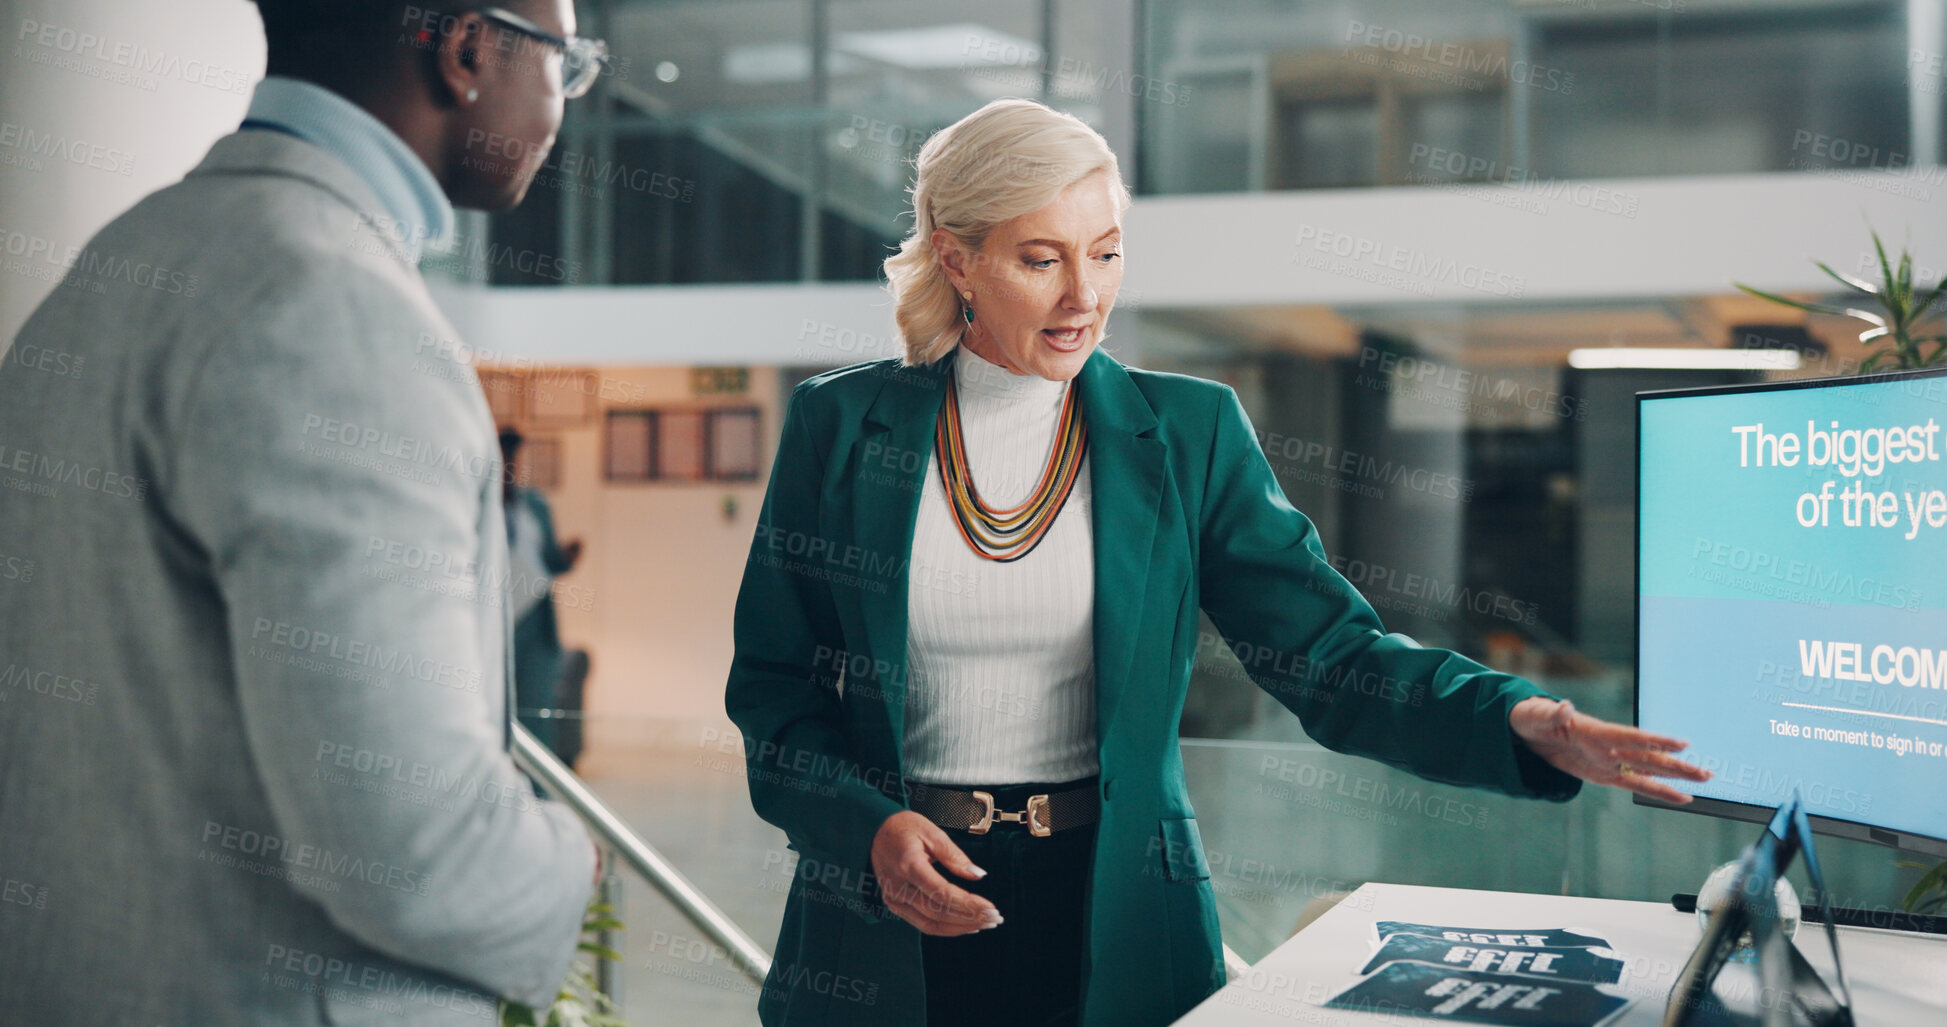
328 35
302 31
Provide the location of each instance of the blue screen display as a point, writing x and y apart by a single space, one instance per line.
1792 593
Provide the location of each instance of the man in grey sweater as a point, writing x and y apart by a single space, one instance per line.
253 686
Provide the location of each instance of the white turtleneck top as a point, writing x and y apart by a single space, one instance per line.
1001 656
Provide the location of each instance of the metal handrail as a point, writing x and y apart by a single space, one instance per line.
562 783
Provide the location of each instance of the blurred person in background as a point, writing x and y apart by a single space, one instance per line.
236 674
548 679
970 612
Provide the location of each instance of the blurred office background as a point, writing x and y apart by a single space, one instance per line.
1391 224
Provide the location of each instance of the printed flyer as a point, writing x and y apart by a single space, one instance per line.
1520 977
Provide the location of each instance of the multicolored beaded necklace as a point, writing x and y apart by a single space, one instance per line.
1008 535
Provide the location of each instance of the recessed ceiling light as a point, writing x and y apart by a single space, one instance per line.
1677 357
939 47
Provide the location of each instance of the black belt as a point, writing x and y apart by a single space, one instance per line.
974 812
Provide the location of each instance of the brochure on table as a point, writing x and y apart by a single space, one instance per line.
1522 977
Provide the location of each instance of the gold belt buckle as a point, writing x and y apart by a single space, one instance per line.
1035 816
986 821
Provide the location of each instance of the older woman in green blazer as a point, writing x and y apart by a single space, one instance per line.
970 612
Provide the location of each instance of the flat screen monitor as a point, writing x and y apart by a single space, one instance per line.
1791 597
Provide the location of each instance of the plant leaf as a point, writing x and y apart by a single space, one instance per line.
1814 308
1934 880
1866 315
1927 301
1885 267
1845 279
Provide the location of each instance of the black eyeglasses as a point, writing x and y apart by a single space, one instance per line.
582 59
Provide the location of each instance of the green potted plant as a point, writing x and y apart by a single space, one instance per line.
1895 332
580 1003
1899 343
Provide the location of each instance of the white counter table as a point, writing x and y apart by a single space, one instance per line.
1897 979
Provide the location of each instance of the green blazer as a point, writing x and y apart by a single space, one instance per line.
1187 515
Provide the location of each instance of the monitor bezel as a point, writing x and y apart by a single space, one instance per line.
1907 841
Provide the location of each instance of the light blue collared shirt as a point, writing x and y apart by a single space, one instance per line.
407 188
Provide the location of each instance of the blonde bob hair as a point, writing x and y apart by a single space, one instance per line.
1004 160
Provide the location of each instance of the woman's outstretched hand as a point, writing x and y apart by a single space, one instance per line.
1602 753
903 854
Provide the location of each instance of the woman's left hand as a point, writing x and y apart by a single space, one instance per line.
1602 753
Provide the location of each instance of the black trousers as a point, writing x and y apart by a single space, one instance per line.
1027 971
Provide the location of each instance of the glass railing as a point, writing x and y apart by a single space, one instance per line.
1263 95
1288 823
1289 828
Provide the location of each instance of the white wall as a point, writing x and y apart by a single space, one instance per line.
140 89
1603 239
835 324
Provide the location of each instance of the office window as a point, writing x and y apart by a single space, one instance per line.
631 433
733 444
679 445
682 444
